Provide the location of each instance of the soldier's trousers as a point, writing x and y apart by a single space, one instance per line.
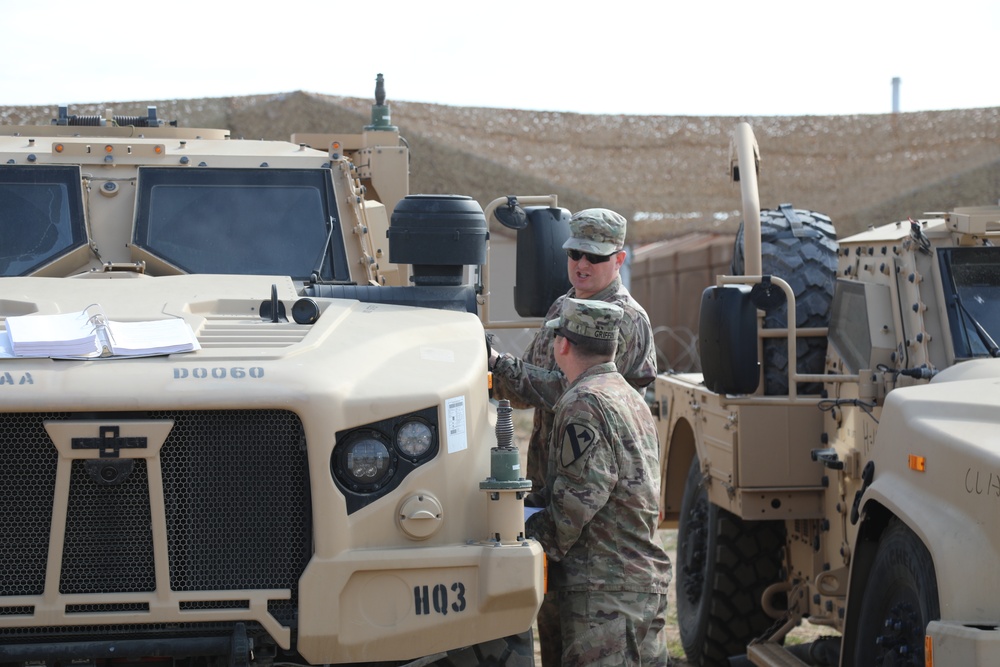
549 633
613 628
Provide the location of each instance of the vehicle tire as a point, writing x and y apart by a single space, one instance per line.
723 566
900 599
803 252
514 651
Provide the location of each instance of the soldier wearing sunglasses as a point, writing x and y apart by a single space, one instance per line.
594 257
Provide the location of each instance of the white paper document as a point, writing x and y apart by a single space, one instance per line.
89 334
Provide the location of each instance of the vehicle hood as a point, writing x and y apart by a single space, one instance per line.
362 352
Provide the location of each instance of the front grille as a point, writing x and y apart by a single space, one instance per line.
236 487
116 630
27 483
237 508
109 537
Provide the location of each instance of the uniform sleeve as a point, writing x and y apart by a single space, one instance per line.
531 386
585 475
636 354
534 380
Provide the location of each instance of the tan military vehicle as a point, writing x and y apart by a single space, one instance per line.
322 478
857 486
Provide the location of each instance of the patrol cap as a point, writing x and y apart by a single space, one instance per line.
600 231
587 318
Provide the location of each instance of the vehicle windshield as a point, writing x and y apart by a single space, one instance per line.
41 216
971 280
242 221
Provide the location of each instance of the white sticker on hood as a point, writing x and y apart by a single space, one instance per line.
454 410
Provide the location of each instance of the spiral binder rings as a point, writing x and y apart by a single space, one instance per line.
90 334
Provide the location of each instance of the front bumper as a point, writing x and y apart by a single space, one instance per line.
950 643
397 604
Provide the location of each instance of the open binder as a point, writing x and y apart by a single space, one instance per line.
89 334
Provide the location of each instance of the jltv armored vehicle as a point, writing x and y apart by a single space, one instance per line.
318 481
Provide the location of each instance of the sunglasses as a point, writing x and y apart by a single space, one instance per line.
577 255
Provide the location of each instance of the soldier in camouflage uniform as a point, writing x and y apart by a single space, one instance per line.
601 502
594 259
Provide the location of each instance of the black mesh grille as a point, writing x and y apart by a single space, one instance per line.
109 536
217 604
42 634
237 501
19 610
236 489
95 608
27 482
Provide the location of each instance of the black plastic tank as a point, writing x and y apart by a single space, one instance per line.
438 236
541 261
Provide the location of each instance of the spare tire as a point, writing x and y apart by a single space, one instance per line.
800 247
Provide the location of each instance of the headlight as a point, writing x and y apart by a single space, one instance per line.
414 438
370 461
366 461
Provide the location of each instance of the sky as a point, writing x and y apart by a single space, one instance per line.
635 57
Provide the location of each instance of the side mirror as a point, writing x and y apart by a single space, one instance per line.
541 274
512 215
727 340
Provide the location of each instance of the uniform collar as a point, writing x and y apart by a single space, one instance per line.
599 369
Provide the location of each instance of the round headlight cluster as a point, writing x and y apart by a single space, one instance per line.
366 460
371 461
414 438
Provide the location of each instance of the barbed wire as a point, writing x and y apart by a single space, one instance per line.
687 360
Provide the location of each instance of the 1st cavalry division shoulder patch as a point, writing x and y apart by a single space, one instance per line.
576 440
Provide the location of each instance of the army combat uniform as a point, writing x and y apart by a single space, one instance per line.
535 381
609 574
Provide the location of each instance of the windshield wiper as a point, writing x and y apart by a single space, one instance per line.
317 272
984 335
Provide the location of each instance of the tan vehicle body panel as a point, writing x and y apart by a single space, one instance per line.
357 364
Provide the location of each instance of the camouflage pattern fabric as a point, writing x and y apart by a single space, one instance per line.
613 628
588 318
596 230
550 646
602 504
535 381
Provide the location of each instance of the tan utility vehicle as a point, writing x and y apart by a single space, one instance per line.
857 486
321 480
